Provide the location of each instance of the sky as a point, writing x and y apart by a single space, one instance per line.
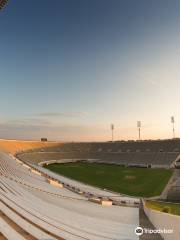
70 68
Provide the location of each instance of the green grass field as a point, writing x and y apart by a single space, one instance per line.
159 206
131 181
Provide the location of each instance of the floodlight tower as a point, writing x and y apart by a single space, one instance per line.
139 129
173 121
112 131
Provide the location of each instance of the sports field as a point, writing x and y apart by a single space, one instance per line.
131 181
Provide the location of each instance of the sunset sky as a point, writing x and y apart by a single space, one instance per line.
70 68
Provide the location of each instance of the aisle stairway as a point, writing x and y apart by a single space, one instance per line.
144 222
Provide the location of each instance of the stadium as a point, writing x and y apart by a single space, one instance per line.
37 203
69 70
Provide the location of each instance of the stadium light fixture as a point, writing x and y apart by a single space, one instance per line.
112 131
173 121
3 3
139 129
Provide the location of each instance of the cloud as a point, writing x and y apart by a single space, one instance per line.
26 122
154 83
152 79
19 129
63 114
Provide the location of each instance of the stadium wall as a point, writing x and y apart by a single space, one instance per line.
164 221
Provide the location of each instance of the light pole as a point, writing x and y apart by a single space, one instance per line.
112 131
173 121
139 129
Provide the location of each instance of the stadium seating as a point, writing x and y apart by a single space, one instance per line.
38 210
31 208
159 153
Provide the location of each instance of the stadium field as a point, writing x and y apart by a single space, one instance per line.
171 208
131 181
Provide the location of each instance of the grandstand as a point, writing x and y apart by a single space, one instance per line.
155 154
33 208
39 204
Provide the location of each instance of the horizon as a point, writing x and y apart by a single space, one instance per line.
70 69
108 141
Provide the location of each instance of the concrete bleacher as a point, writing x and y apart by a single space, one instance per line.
160 153
8 232
42 211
